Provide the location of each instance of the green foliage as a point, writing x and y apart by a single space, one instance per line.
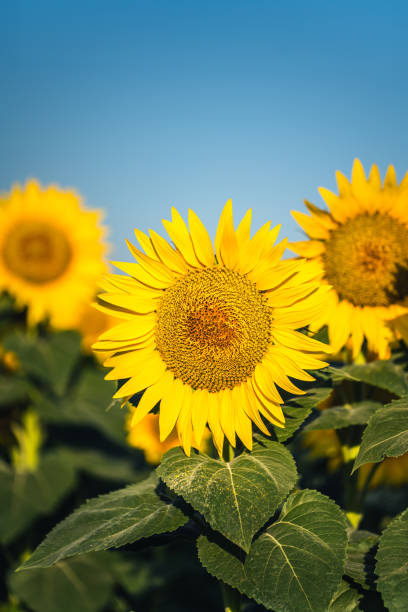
109 521
50 360
29 494
284 565
238 497
82 584
343 416
345 600
392 564
386 434
360 557
298 409
382 374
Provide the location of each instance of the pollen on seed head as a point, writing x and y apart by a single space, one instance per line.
213 327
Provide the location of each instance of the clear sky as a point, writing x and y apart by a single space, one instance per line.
141 105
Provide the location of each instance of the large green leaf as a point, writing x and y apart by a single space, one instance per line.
296 564
87 403
225 564
345 599
236 497
392 564
103 466
360 557
27 495
298 409
83 584
382 374
109 521
386 434
13 389
49 359
344 416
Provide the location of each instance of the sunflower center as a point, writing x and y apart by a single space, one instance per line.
213 328
36 251
366 260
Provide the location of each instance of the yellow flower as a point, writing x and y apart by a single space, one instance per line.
361 247
145 436
392 471
51 252
92 323
209 336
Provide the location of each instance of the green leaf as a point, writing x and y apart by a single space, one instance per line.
50 359
386 434
102 466
225 565
297 563
87 403
236 497
284 568
298 409
84 584
344 416
27 495
345 599
109 521
392 564
360 557
13 390
382 374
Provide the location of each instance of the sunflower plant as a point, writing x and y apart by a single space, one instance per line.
222 344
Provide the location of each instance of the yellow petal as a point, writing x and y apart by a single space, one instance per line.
310 225
112 311
307 248
214 422
146 244
390 180
227 416
243 232
272 411
133 303
243 424
250 254
199 413
178 232
140 274
151 397
336 205
340 325
321 216
226 244
136 327
264 381
296 340
170 407
155 268
168 256
249 403
147 375
184 425
201 240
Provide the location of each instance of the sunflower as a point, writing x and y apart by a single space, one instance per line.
361 247
51 252
210 337
146 436
392 471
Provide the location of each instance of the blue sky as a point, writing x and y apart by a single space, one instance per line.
141 105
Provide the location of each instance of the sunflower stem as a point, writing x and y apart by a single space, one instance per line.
231 598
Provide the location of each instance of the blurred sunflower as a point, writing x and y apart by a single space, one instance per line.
392 471
361 248
211 337
51 252
146 436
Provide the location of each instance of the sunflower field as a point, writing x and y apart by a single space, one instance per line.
212 424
